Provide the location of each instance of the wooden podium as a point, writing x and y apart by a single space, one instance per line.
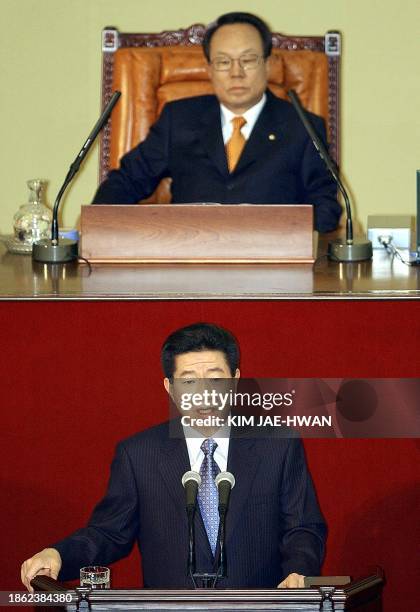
361 595
197 233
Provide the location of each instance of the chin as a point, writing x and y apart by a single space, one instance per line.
235 105
239 103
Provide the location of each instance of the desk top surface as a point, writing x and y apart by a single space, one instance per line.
381 278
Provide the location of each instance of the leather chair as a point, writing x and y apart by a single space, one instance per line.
152 69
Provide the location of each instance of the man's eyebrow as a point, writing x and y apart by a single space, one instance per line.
242 52
184 372
193 372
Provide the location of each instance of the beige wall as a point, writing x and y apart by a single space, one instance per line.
50 87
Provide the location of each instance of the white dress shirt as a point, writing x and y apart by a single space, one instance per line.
251 116
194 440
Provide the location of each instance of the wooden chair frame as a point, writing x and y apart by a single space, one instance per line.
112 39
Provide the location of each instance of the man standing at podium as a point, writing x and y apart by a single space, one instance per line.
275 533
241 145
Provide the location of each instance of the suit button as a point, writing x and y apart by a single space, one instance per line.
231 186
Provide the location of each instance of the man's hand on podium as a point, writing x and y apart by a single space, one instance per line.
45 563
293 581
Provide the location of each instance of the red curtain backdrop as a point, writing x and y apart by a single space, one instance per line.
79 376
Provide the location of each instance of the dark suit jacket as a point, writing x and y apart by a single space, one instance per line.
186 143
273 526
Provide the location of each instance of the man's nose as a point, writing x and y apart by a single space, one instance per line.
236 68
200 385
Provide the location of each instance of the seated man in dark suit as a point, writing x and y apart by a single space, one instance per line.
243 145
275 533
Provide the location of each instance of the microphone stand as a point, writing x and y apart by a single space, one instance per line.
191 543
63 250
208 580
350 249
221 572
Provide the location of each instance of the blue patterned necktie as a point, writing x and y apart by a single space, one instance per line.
208 496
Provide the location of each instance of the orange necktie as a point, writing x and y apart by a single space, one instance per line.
236 143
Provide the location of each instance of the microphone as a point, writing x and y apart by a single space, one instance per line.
225 481
55 250
191 481
352 249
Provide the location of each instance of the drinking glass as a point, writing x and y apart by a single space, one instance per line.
95 577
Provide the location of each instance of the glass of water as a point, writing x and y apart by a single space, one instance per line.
95 577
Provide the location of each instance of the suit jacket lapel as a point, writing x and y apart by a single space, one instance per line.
243 462
260 142
210 135
264 135
173 464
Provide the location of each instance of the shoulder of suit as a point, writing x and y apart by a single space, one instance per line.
192 104
157 433
286 109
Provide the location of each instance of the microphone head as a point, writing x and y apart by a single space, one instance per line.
190 475
225 476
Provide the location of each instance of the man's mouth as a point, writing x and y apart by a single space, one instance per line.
206 411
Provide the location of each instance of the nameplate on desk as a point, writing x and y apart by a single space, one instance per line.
190 233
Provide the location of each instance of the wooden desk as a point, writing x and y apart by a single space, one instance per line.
78 344
381 278
364 595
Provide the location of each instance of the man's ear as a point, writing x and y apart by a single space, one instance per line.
237 373
209 70
167 385
268 62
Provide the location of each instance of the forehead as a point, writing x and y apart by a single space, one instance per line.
197 361
235 38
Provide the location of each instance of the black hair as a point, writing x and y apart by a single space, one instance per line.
237 17
199 337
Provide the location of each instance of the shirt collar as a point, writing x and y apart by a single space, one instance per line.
195 440
251 115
